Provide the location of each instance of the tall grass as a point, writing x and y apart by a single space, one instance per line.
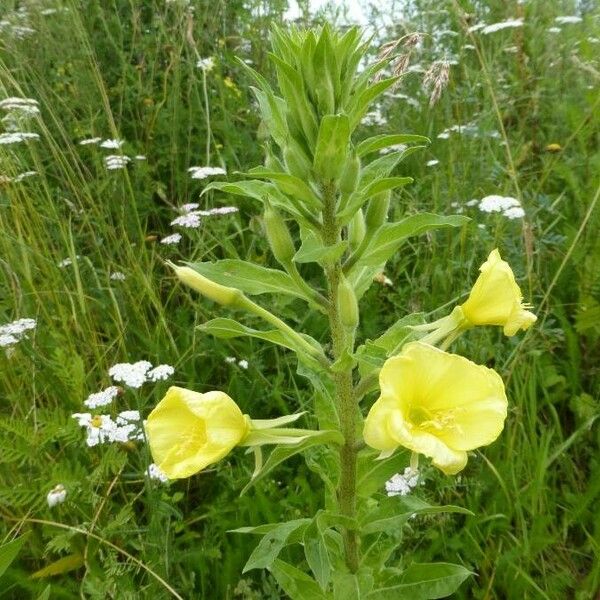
127 70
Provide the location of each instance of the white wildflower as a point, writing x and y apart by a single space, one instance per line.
515 212
432 163
57 495
112 144
102 398
88 141
16 137
401 485
243 364
99 428
14 332
495 203
554 29
24 175
206 64
170 240
116 161
139 157
189 207
374 117
230 360
118 276
131 374
204 172
473 202
220 210
568 19
189 221
126 416
154 472
511 23
160 373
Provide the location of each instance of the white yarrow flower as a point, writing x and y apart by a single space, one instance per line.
16 137
116 161
102 398
511 23
243 364
568 19
160 373
190 220
131 374
402 485
204 172
206 64
154 472
117 276
112 144
88 141
14 332
171 240
57 495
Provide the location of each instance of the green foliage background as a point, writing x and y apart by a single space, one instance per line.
127 69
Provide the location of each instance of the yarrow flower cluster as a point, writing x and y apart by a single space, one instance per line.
232 360
204 172
57 495
117 276
102 398
22 107
191 217
485 29
16 137
509 207
171 240
154 472
116 161
402 485
12 333
103 429
134 375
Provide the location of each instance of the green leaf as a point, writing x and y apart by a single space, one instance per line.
228 328
249 278
316 554
62 565
282 453
332 146
389 515
384 165
345 362
290 185
390 236
273 110
377 142
270 546
268 527
425 581
352 586
373 473
9 551
295 583
313 250
361 103
385 184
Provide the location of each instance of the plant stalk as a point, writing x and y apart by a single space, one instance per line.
345 400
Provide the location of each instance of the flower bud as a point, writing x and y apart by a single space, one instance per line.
278 235
377 211
350 174
296 161
356 230
347 305
213 291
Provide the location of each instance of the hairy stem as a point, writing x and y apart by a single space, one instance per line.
344 391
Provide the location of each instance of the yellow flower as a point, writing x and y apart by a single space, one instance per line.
496 298
187 431
437 404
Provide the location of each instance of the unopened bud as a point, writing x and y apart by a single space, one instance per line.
350 174
279 236
296 161
347 305
356 230
213 291
377 211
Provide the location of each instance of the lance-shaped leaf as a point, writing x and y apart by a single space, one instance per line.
295 583
249 278
359 105
394 512
273 109
282 453
390 236
228 328
424 581
378 142
312 249
271 545
290 185
9 551
315 551
332 147
384 185
382 167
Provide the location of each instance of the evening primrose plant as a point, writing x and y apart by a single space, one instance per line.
325 203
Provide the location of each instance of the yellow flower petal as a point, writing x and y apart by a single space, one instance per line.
496 298
187 431
437 404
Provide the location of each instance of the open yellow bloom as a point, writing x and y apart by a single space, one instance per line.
187 431
496 299
437 404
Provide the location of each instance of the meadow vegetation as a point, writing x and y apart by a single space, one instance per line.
84 240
